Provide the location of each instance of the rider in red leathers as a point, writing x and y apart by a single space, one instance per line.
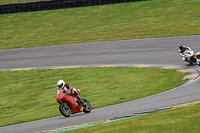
69 90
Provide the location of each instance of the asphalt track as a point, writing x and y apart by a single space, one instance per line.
140 51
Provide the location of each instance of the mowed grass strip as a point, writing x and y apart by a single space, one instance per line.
181 120
31 95
145 19
3 2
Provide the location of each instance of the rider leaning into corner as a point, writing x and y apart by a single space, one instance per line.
69 90
182 50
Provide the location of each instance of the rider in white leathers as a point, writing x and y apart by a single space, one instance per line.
183 51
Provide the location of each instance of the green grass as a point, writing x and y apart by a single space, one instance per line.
2 2
146 19
181 120
31 95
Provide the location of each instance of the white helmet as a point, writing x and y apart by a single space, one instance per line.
61 84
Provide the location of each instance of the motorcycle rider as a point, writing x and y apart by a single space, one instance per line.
69 90
182 51
198 58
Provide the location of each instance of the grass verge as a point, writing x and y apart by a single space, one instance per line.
3 2
181 120
31 95
146 19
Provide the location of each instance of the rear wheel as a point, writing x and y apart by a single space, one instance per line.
191 63
65 109
87 107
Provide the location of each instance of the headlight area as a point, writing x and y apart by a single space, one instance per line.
59 101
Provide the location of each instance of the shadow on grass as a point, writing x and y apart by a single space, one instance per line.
29 6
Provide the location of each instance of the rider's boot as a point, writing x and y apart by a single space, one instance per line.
183 58
80 101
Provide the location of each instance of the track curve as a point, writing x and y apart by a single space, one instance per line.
139 51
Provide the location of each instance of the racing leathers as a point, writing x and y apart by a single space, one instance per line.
183 51
69 90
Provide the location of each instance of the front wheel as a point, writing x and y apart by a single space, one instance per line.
87 107
199 65
191 63
65 109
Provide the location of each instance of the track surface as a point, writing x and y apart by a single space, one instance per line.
140 51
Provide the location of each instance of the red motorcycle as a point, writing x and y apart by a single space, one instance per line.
69 105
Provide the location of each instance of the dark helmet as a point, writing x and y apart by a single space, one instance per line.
180 46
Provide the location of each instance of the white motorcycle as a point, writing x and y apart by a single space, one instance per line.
198 62
190 56
198 58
